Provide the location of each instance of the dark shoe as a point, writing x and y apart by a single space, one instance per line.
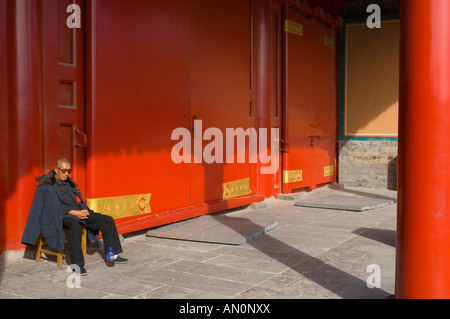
120 260
81 271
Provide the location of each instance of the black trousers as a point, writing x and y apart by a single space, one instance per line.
96 221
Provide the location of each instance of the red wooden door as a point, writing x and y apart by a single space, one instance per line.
309 118
298 101
220 95
325 107
138 95
64 88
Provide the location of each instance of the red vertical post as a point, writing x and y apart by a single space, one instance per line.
3 121
25 147
423 231
261 23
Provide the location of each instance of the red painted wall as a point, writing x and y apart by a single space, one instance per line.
140 87
143 87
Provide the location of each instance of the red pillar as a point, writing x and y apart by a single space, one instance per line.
423 232
3 121
25 145
261 51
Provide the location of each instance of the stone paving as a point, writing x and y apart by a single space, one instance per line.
311 253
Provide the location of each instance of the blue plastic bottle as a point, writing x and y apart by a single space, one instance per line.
110 257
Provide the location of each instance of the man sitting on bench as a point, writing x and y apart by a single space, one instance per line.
57 187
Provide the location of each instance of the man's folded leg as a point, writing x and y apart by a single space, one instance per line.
107 226
73 231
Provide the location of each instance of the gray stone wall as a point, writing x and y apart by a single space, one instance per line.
368 164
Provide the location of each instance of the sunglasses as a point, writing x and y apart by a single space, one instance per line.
64 171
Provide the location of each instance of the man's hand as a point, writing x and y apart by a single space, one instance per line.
81 214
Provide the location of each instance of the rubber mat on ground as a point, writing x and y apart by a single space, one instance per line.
215 229
355 203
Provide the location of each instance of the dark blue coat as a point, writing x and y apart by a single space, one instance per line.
45 217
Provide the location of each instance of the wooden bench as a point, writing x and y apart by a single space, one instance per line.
58 254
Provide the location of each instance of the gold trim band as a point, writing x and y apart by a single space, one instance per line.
328 41
292 176
293 27
121 206
236 188
328 171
